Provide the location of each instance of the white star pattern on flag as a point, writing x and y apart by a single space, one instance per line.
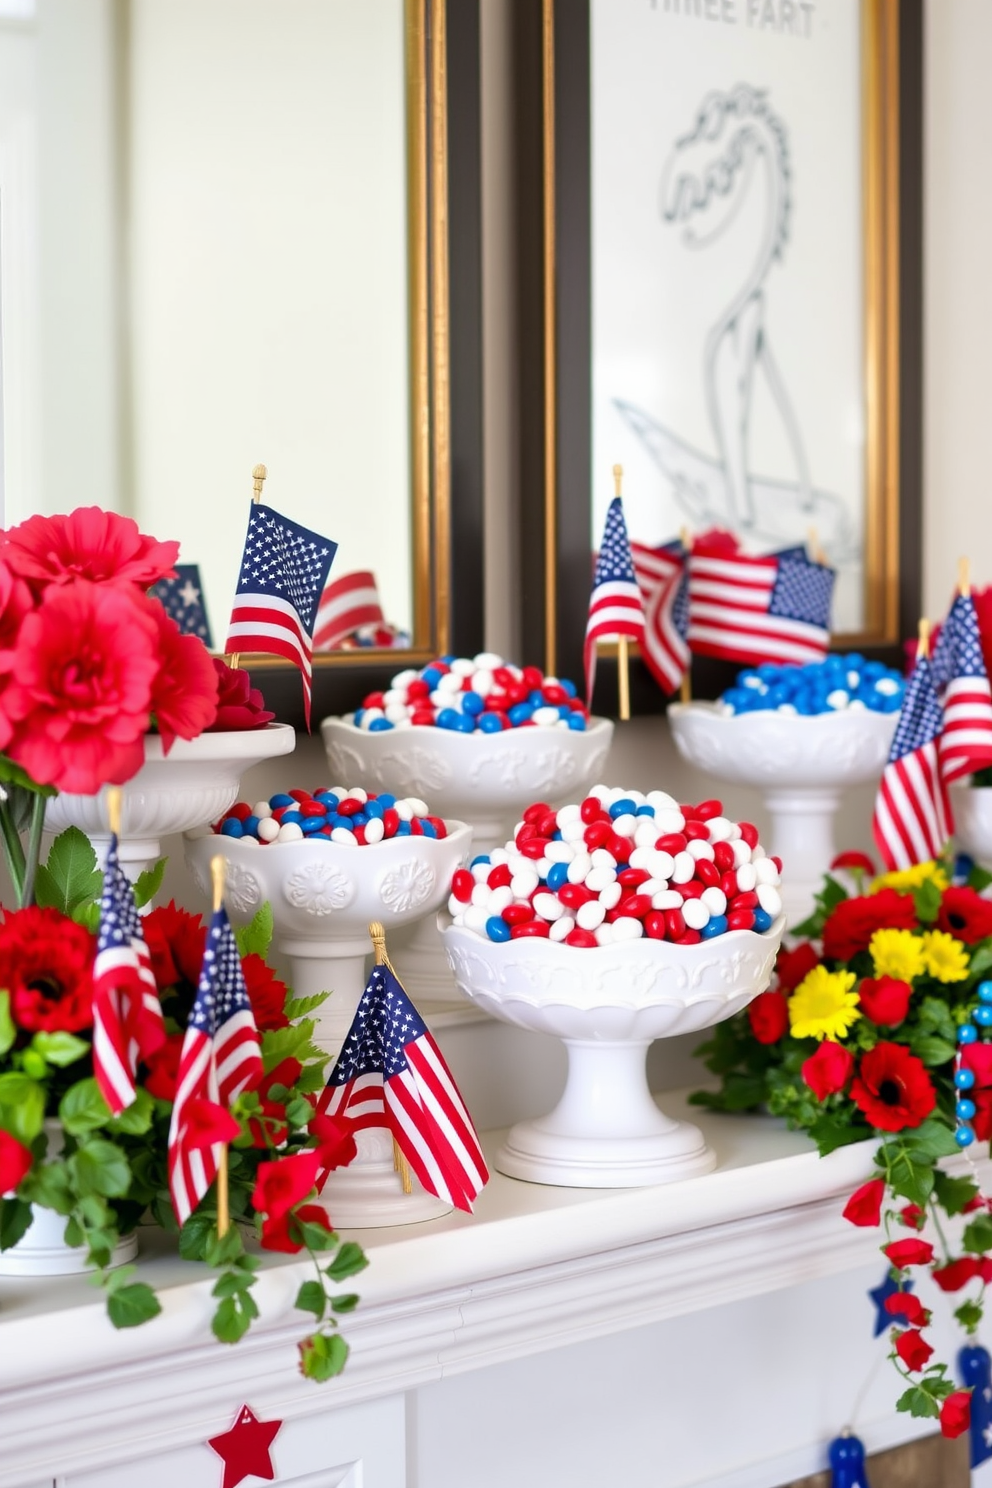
181 598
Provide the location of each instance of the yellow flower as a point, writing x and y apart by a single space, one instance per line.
823 1005
897 953
945 958
905 879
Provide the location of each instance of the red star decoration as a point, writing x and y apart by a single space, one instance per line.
245 1448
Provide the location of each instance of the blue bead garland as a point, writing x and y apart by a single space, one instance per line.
964 1079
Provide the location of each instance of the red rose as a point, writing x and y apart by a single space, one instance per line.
281 1184
884 999
955 1413
176 941
828 1070
908 1252
913 1217
966 915
46 963
206 1123
80 688
864 1207
956 1274
913 1349
239 705
768 1016
857 862
792 966
907 1305
163 1068
15 1162
184 691
335 1143
850 926
89 544
892 1088
267 995
277 1234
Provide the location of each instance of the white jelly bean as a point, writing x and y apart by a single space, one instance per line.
641 858
661 801
268 829
500 898
482 682
568 814
523 884
610 897
579 867
742 852
481 871
486 659
652 886
600 878
543 716
747 878
720 828
766 871
573 831
374 830
290 832
770 899
481 890
250 841
476 917
404 810
590 916
602 859
669 820
695 914
683 868
698 849
262 810
416 805
604 935
358 794
666 899
462 666
625 825
396 712
455 906
625 927
661 864
548 906
562 928
559 852
343 835
715 900
646 834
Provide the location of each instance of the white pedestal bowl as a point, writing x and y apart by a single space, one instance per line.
972 808
484 779
323 896
801 764
608 1005
194 783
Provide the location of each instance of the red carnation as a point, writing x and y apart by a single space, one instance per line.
768 1016
284 1182
176 941
955 1413
46 964
15 603
239 705
88 543
908 1252
267 995
276 1233
828 1070
966 915
908 1307
15 1162
864 1207
885 999
956 1274
184 691
892 1088
851 925
792 966
913 1349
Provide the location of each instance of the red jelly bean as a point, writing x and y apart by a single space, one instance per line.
538 928
416 827
390 821
777 861
359 832
422 717
499 877
597 835
636 905
630 878
723 856
299 795
654 925
691 890
620 847
580 937
534 847
697 831
674 924
728 883
740 919
672 842
462 884
535 812
691 937
374 700
312 808
689 812
747 900
750 833
517 693
350 807
437 822
502 676
573 896
526 832
578 706
554 694
440 666
532 678
240 811
418 688
708 873
517 914
591 810
548 825
707 810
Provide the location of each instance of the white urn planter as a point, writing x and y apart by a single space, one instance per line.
324 895
608 1004
801 764
484 779
193 784
972 808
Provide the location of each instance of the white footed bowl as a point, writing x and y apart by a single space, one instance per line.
608 1004
972 810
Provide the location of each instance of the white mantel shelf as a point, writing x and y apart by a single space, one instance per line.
535 1268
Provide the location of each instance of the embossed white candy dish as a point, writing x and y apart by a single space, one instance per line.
802 764
483 779
608 1004
323 896
194 783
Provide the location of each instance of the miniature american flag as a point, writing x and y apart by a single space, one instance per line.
615 606
346 604
220 1058
912 819
959 674
391 1073
182 600
127 1014
664 585
775 608
283 574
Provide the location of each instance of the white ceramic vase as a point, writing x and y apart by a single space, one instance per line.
608 1004
972 808
194 783
801 764
484 779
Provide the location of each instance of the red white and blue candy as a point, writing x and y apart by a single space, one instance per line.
479 694
836 685
348 815
620 866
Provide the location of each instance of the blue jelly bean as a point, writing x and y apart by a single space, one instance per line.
624 807
249 827
385 801
293 818
536 698
428 828
964 1136
576 722
564 711
373 808
360 819
465 724
967 1033
431 677
489 723
762 921
328 800
472 703
568 687
964 1079
645 810
497 928
557 875
232 828
715 925
446 719
965 1110
482 858
379 725
403 830
520 713
282 800
359 715
312 824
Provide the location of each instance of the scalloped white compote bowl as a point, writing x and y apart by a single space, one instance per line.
608 1004
194 783
323 896
483 779
972 808
801 764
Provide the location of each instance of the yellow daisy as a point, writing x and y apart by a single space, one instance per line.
945 958
897 953
823 1005
905 879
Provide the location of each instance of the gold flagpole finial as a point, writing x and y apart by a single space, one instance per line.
923 642
114 803
257 479
617 479
218 873
964 577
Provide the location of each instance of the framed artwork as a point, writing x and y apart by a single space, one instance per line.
728 274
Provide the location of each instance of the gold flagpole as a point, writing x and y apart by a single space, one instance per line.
217 869
257 481
114 801
378 934
923 642
964 577
623 659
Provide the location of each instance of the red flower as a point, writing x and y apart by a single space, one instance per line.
15 1162
884 999
792 966
80 688
206 1123
859 862
913 1217
907 1305
284 1182
163 1068
184 692
892 1088
956 1274
176 941
908 1252
46 963
239 705
286 1073
850 926
982 1120
267 995
335 1142
955 1413
828 1070
277 1234
965 914
768 1016
15 603
864 1207
89 544
913 1349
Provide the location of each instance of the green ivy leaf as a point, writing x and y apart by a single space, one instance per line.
314 1236
223 1249
70 876
934 1016
312 1079
932 1050
60 1049
148 883
931 1139
953 1194
917 1402
256 937
926 899
969 1315
347 1302
49 1186
22 1106
100 1167
831 1131
294 1042
15 1221
311 1298
979 878
8 1032
128 1306
298 1007
83 1109
322 1356
195 1236
349 1260
977 1237
232 1283
981 959
136 1118
87 915
299 1112
234 1317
